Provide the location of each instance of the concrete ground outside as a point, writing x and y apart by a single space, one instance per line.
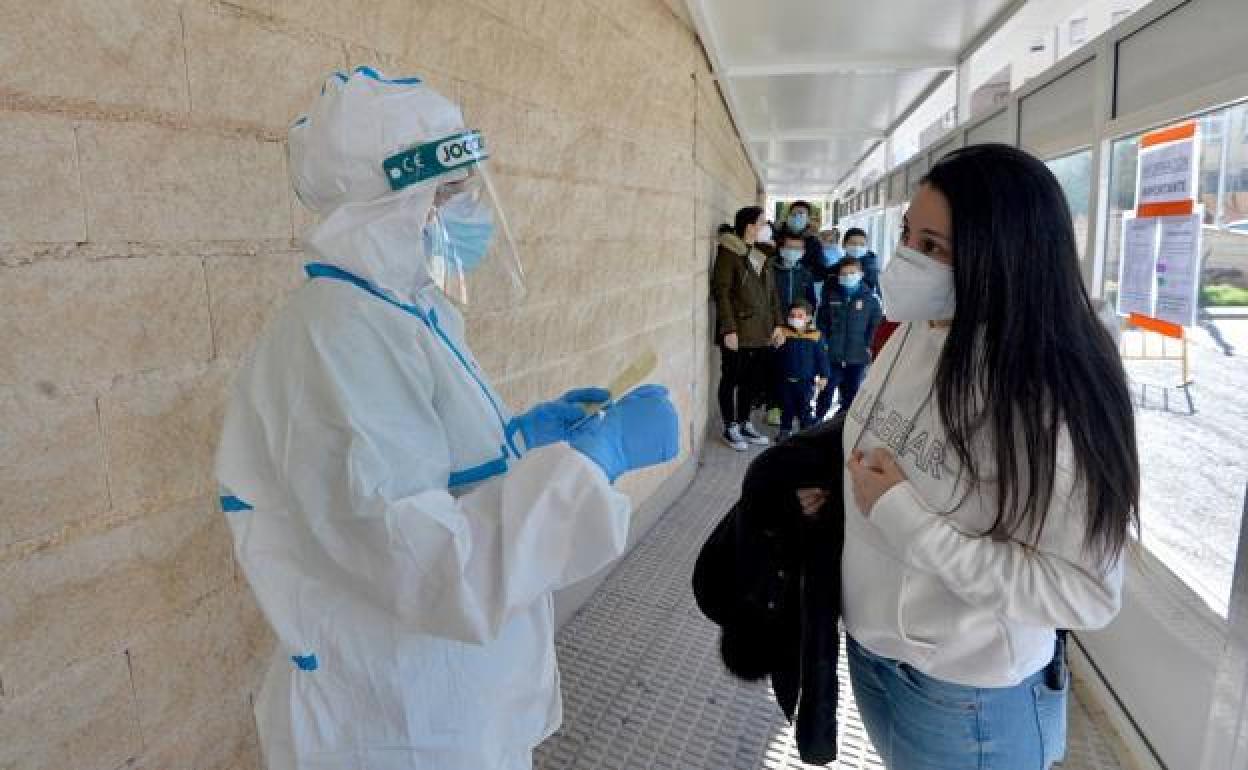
1194 465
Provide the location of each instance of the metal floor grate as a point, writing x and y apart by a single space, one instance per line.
643 684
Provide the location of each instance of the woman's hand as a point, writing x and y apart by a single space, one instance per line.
872 474
731 341
811 500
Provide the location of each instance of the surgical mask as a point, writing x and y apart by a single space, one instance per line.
831 254
763 235
851 281
797 222
790 257
470 241
467 225
917 287
857 252
798 324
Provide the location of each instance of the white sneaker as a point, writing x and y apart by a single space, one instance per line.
753 436
732 437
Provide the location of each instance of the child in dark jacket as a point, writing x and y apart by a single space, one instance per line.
848 316
794 281
803 366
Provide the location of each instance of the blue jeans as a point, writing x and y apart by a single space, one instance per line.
920 723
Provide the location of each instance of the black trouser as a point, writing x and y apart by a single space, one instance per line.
797 397
743 379
775 381
846 378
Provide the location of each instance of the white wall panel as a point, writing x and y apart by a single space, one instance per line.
1198 43
1058 117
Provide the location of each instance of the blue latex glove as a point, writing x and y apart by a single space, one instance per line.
639 430
551 422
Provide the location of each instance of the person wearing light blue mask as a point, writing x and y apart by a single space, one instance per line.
847 319
798 222
794 283
832 251
855 244
402 530
794 280
467 222
830 245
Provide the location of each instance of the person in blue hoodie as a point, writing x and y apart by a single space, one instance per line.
803 366
855 244
847 318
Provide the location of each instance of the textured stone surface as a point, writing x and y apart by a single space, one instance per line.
162 184
161 437
74 321
89 596
51 464
382 24
245 292
83 718
116 52
233 65
216 649
221 736
41 182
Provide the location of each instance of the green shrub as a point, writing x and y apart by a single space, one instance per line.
1223 295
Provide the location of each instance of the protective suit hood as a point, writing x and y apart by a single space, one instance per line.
379 241
372 158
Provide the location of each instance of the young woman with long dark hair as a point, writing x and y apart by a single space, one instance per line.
749 324
993 480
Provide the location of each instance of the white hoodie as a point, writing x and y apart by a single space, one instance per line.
919 582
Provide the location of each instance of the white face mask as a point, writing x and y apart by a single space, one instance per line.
799 324
763 235
917 287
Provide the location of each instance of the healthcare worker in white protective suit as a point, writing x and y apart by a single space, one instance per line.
401 532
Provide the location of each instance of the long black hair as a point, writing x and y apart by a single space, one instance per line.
1026 353
746 217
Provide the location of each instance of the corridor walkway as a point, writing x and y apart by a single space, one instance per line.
643 685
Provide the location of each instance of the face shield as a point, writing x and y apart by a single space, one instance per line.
466 240
397 178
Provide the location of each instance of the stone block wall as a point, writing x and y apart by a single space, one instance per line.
147 232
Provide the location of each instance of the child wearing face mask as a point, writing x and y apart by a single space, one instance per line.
848 317
856 246
830 242
800 221
794 282
803 367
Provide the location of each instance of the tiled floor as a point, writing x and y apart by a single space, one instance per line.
642 681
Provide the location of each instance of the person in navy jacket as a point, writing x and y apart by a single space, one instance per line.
803 368
847 318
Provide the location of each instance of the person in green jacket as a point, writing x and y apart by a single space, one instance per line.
750 323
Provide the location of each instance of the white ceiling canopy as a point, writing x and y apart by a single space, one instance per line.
815 85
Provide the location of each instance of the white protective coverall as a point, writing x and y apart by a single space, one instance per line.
402 549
